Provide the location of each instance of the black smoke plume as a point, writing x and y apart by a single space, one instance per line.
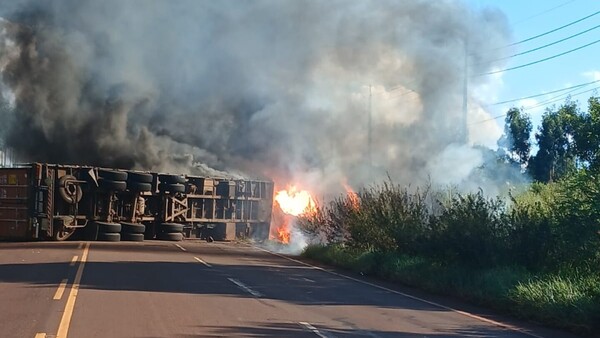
275 88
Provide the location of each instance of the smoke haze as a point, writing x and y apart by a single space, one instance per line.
272 88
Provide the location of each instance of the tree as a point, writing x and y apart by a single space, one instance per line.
587 136
516 137
555 138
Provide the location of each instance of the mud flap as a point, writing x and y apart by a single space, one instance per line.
224 231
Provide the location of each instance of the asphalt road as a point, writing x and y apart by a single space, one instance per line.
199 289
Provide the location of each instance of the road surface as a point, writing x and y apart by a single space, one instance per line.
199 289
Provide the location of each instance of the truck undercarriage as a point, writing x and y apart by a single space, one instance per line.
41 201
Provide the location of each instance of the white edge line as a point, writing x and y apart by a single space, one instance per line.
203 262
244 287
61 289
313 329
180 247
464 313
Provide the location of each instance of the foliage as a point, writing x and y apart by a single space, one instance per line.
555 138
587 137
563 299
490 250
548 226
535 254
516 137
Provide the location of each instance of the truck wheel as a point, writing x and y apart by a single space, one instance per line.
105 227
174 187
139 186
170 236
110 185
132 237
62 233
68 190
140 177
113 175
172 179
132 228
170 228
109 237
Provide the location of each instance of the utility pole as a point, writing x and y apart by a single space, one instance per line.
370 133
464 132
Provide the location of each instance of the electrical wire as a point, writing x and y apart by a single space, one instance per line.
540 104
554 30
544 12
540 35
541 60
544 94
557 98
541 47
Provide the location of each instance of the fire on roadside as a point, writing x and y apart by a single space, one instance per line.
289 203
352 196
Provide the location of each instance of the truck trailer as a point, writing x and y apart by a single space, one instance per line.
42 201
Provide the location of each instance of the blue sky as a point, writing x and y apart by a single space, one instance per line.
528 19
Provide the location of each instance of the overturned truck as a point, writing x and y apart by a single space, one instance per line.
41 201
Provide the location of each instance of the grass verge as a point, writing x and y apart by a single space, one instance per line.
568 300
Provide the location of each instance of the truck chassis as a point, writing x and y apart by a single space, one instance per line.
41 201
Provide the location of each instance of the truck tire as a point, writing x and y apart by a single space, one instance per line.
105 227
110 185
62 234
112 175
174 187
109 237
132 237
139 186
170 228
140 177
132 228
172 179
68 190
176 237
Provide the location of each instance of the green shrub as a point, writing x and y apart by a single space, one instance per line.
473 230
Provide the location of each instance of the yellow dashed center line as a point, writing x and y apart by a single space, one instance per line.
60 290
63 328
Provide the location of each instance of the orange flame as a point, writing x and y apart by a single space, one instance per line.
295 202
283 234
292 202
352 196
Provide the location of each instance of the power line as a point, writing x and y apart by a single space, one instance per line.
540 104
544 12
559 98
541 60
487 120
554 30
543 94
544 46
402 94
540 35
556 98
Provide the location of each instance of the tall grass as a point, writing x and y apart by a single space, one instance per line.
535 254
559 299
